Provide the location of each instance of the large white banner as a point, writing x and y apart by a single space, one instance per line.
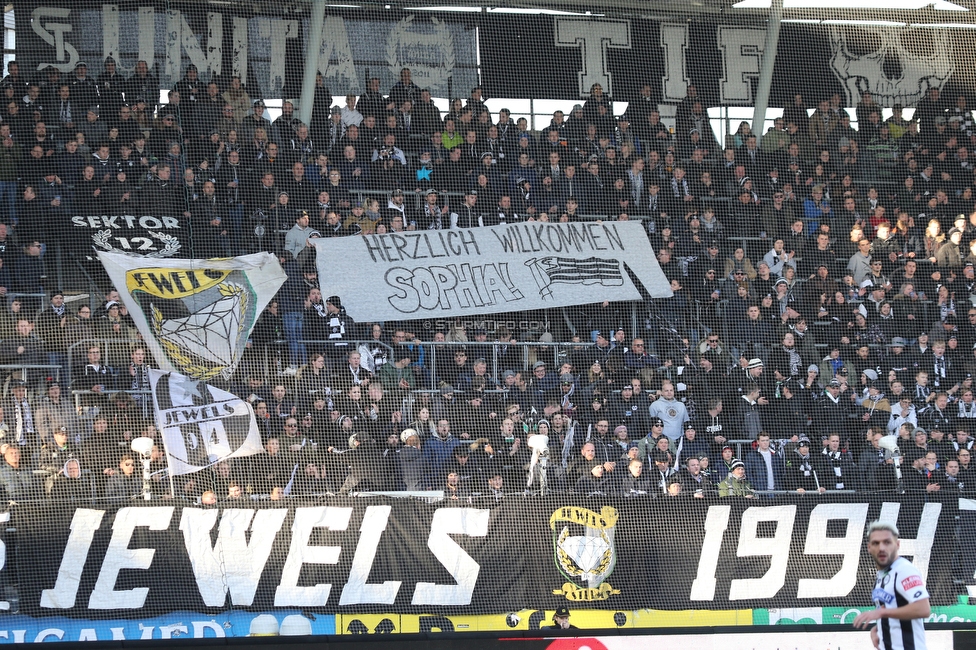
476 271
201 425
195 315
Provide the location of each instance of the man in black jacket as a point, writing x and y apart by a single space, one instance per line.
693 482
801 472
560 620
832 409
372 102
467 215
836 469
162 196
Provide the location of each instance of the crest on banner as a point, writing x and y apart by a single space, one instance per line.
196 315
584 551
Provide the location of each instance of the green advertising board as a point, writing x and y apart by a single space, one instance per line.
839 615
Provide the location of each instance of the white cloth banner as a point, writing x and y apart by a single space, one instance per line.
195 315
201 425
476 271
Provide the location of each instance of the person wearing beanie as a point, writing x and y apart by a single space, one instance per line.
690 445
413 463
801 472
949 254
736 484
339 329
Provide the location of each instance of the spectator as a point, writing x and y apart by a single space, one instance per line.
235 96
438 450
23 348
124 483
69 484
397 376
765 468
55 414
837 470
860 263
672 411
735 484
297 238
694 483
137 379
93 375
597 482
635 483
16 479
751 406
413 461
58 451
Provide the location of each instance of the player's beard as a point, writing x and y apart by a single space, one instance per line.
887 563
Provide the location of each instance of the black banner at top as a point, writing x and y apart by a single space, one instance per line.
562 57
358 555
556 57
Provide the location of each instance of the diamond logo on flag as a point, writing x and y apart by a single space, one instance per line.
196 315
201 425
586 552
213 332
583 546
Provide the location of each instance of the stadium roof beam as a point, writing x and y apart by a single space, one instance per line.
896 13
766 69
937 5
316 23
911 13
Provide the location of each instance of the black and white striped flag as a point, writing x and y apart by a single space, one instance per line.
201 425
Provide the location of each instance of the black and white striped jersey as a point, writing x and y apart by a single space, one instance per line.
899 585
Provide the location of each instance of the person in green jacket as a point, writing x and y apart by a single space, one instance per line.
735 484
776 139
397 377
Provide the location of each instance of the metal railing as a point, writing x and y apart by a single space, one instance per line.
275 353
471 494
89 411
529 353
552 353
29 372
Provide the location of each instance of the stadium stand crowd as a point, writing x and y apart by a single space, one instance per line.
823 293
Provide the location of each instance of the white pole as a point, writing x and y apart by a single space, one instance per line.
146 490
312 49
766 70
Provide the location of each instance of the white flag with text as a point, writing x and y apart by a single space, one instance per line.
200 424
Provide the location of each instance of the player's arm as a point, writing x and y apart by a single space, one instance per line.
919 609
912 589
